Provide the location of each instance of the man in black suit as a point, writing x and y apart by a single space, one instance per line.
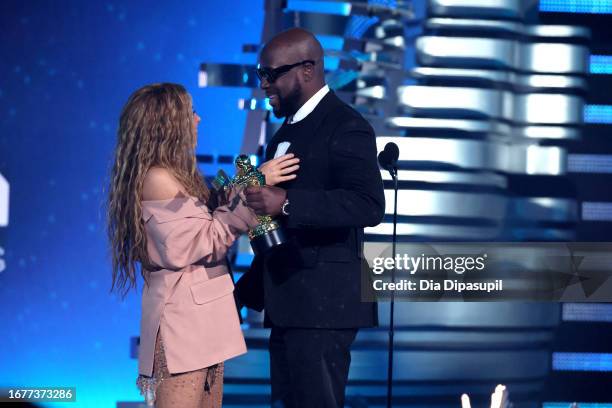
312 286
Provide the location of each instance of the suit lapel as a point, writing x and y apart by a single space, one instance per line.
315 119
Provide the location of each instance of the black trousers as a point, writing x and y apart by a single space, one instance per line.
309 367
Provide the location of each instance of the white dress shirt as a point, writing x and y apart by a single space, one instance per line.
309 106
304 111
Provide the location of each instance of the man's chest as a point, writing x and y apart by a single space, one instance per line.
313 152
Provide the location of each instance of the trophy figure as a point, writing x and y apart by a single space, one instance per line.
268 234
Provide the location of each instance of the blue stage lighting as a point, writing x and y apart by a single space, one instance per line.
580 404
598 114
596 211
600 64
601 362
587 312
327 7
577 6
589 163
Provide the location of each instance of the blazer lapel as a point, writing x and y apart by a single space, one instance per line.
316 117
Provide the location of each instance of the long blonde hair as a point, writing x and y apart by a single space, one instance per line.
156 128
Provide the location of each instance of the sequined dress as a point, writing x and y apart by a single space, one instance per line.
198 389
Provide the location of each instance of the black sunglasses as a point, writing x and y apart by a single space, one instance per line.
272 74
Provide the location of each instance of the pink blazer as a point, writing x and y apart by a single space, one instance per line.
190 298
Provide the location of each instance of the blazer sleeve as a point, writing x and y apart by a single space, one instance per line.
182 233
358 199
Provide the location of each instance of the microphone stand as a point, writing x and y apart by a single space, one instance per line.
393 172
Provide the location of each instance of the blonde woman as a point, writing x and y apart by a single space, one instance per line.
159 222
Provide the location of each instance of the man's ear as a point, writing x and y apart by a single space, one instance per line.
308 72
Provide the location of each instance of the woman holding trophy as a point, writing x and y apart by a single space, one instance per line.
160 221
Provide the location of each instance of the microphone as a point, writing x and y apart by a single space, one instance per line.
388 158
388 161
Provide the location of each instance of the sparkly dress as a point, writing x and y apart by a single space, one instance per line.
198 389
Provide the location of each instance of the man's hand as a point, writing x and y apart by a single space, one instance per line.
266 200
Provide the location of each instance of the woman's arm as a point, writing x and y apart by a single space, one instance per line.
183 233
160 184
280 169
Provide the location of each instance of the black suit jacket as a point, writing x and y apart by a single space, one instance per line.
315 281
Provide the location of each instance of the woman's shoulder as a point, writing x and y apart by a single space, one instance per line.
163 196
160 184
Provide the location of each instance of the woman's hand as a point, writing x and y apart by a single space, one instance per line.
279 170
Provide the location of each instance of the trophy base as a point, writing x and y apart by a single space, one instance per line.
265 243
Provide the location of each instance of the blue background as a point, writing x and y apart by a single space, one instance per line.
66 69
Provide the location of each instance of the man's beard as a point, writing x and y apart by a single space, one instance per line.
289 104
